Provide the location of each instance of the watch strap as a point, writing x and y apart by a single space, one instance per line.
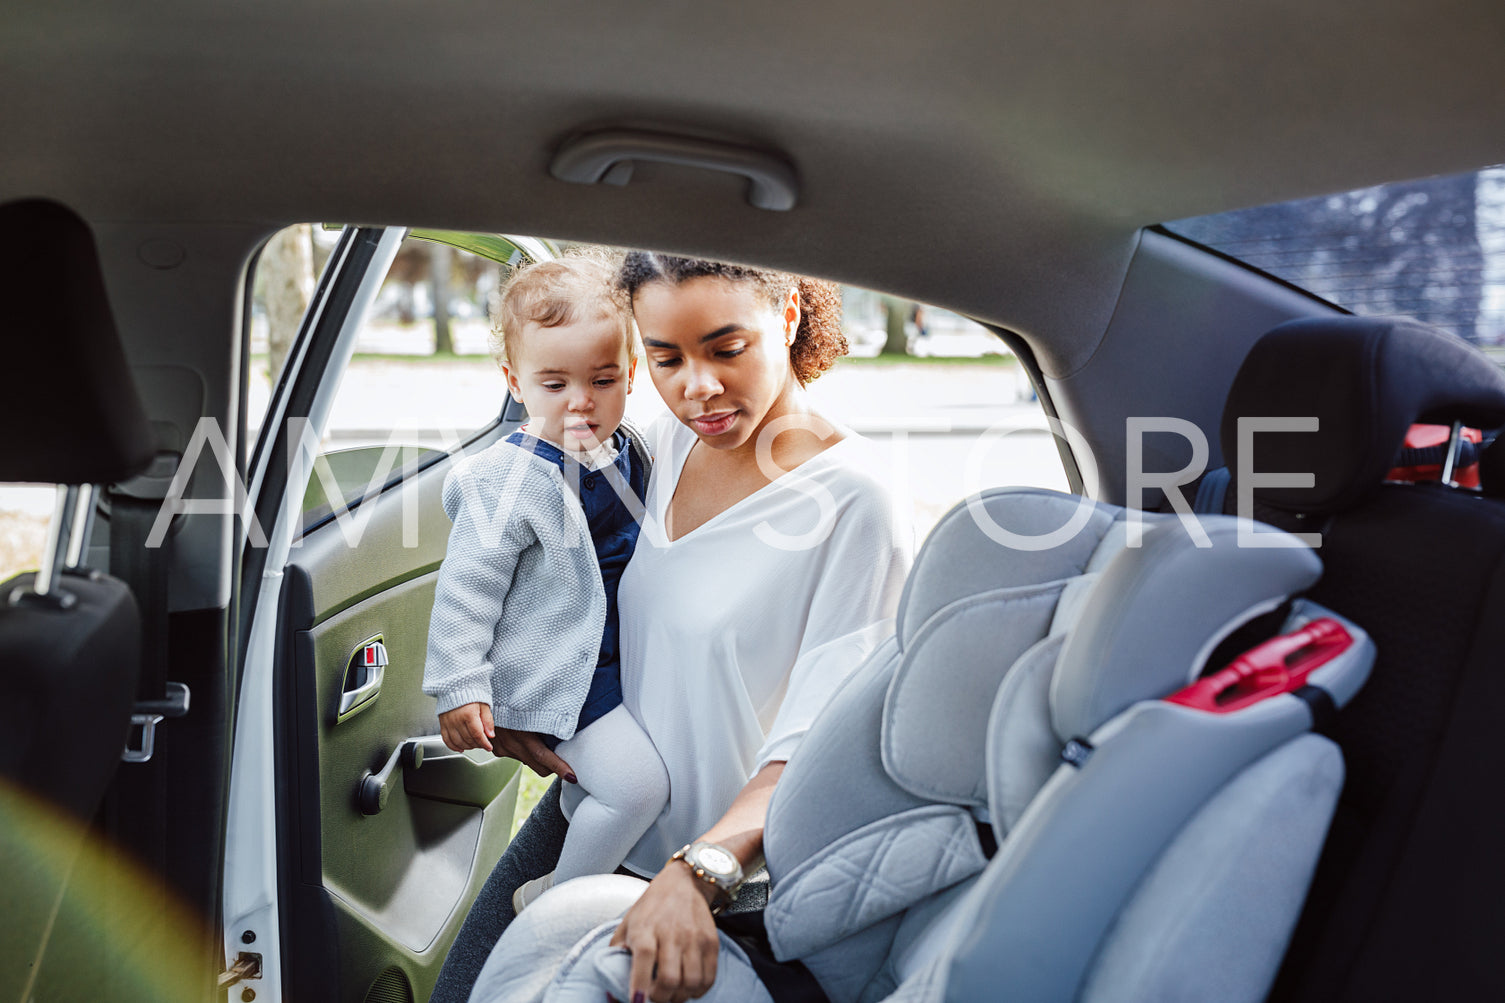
726 887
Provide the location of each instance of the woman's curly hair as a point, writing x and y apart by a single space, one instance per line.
818 343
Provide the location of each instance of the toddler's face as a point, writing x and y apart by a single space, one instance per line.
574 380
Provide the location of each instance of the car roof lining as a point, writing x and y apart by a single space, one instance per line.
997 160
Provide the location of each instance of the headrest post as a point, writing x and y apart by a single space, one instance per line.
81 525
1455 439
54 551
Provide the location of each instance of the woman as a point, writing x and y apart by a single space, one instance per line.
766 563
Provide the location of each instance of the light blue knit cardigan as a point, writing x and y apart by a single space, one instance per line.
519 607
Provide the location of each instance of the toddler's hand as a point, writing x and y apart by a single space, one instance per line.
467 727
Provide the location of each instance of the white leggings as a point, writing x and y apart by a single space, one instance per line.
625 785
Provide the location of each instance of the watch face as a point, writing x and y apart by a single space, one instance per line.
716 860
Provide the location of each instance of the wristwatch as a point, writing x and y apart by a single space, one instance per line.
716 866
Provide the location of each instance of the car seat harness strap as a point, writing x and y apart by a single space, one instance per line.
1322 705
1077 752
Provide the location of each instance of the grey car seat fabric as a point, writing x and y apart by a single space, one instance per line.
1004 664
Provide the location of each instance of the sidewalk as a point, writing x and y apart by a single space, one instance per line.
874 399
429 397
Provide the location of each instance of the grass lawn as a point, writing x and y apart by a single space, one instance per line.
1003 361
530 788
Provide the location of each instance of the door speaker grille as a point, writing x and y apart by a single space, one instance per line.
391 986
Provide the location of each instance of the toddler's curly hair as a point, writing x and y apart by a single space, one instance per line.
581 283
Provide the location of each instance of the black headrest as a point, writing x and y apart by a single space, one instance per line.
1366 380
72 412
1492 468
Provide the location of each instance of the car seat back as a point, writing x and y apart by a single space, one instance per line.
69 638
1018 706
1405 901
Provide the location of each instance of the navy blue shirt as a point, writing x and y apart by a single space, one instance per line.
614 532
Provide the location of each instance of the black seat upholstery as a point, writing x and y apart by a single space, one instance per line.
69 640
1406 901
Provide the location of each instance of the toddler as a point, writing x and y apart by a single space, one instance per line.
524 625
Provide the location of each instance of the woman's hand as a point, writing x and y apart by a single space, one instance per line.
672 938
669 930
527 748
471 727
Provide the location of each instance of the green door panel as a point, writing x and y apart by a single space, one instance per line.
403 875
384 893
383 542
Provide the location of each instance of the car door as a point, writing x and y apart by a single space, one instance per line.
378 835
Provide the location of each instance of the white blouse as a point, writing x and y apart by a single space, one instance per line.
735 635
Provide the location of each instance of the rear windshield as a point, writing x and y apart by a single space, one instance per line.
1432 249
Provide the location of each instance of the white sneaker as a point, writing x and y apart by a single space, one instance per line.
530 890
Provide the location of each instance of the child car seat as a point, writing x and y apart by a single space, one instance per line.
1019 703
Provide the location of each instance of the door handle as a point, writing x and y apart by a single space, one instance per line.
431 770
364 673
607 157
375 788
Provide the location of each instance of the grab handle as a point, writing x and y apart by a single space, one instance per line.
607 157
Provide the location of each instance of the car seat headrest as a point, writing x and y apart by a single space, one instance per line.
1149 622
974 603
980 545
1366 380
72 407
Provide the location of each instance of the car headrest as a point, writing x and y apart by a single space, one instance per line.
1366 380
74 416
1492 468
1158 610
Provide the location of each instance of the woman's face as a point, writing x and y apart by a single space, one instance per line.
718 353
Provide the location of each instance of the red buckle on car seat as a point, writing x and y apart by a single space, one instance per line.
1280 665
1422 438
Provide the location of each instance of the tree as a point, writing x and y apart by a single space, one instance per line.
896 312
286 276
439 268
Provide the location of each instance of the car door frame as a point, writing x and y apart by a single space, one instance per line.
260 846
277 478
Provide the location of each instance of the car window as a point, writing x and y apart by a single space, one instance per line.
945 400
282 284
24 512
430 321
1432 249
421 380
949 406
